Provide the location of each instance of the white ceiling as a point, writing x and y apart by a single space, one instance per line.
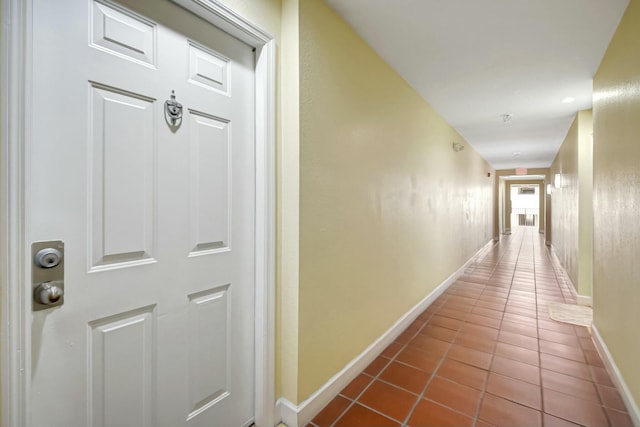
475 60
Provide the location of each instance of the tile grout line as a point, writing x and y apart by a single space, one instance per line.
486 383
444 356
377 376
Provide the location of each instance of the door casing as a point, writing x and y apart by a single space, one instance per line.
15 125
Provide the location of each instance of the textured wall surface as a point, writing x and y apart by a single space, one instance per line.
585 203
564 203
616 270
387 209
572 213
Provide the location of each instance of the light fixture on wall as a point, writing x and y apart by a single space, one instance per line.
549 189
457 147
557 181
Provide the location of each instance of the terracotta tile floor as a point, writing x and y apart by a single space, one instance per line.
486 353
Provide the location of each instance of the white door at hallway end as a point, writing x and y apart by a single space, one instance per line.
157 216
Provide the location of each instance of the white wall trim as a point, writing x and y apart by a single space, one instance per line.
616 376
300 415
16 51
15 99
584 300
287 412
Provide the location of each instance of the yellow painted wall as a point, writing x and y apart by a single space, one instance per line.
585 203
387 209
572 214
616 173
564 200
288 208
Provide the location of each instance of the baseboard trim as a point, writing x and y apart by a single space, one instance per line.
286 412
300 415
616 376
584 300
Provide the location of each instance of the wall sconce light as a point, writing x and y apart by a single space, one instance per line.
557 182
549 189
457 147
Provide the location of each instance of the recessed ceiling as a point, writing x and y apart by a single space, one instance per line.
476 61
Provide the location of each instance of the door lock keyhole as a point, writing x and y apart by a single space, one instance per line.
48 258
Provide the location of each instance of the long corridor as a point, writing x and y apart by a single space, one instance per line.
486 353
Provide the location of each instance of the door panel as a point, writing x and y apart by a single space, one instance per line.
157 326
121 393
210 182
122 193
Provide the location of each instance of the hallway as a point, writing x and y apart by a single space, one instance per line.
486 353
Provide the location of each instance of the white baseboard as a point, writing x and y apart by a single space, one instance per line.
286 412
300 415
584 300
616 376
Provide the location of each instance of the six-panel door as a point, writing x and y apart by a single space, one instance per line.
157 327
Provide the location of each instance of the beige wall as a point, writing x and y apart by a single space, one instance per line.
572 214
564 200
288 208
616 167
387 209
585 203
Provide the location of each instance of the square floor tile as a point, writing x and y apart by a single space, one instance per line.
558 337
359 416
520 328
514 369
567 384
565 366
484 321
453 395
552 325
520 354
463 374
515 390
579 411
388 400
356 386
470 356
446 322
331 412
561 350
504 413
424 361
600 376
376 366
519 340
438 332
391 351
405 377
454 314
430 345
611 398
551 421
593 358
477 343
430 414
619 419
487 312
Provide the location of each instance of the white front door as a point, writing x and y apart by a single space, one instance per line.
157 217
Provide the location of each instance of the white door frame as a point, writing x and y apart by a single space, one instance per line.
15 143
